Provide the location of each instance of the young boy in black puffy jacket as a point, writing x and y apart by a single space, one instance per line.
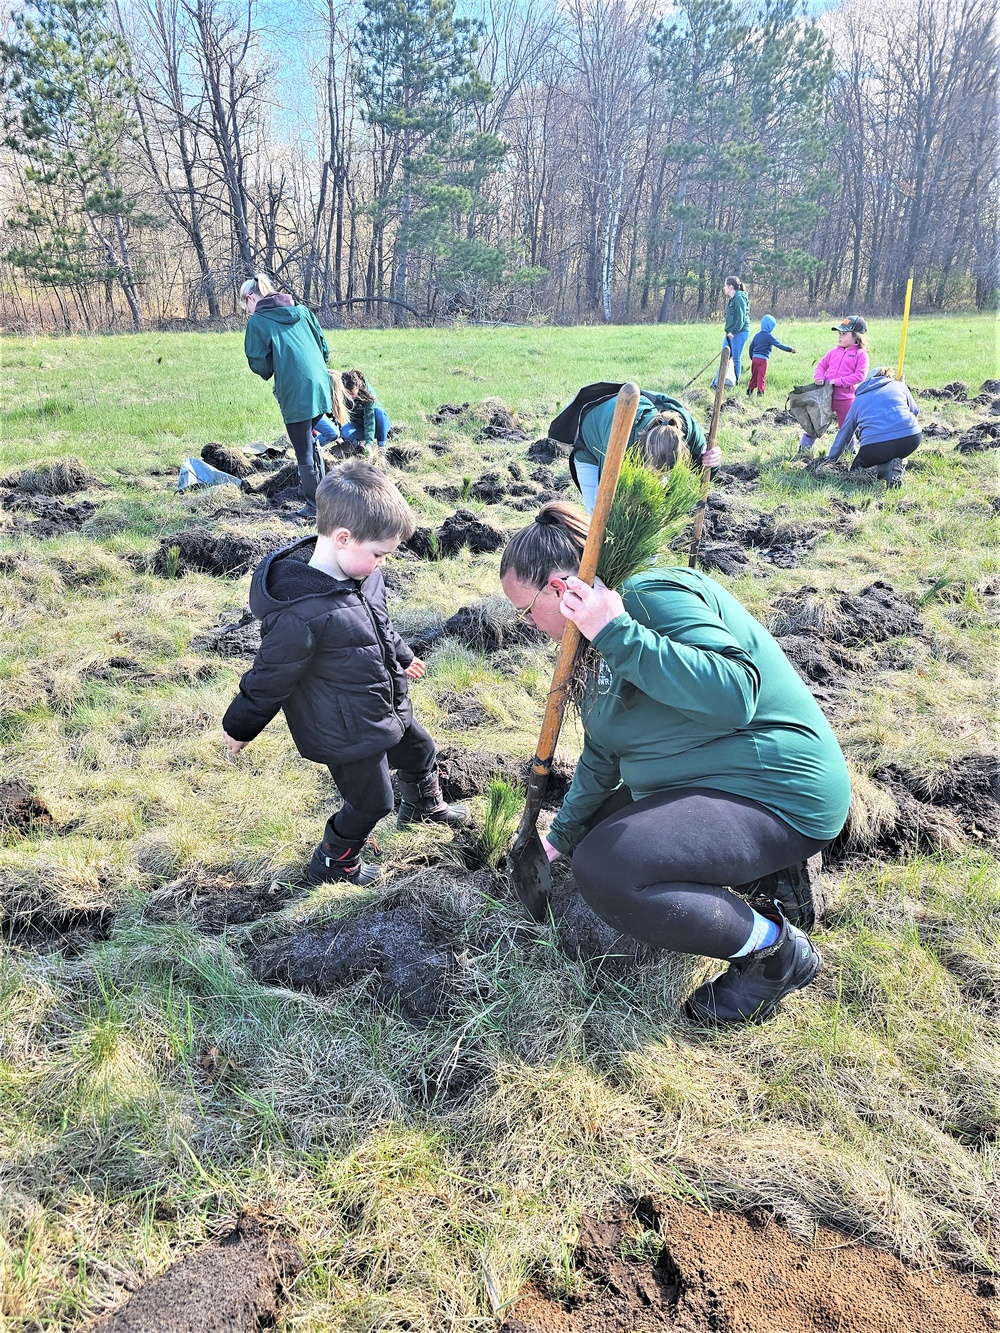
330 658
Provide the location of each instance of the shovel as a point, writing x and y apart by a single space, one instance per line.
527 864
706 472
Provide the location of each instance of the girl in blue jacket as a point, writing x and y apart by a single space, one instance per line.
883 417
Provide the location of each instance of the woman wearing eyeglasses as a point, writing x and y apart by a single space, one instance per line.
285 342
706 766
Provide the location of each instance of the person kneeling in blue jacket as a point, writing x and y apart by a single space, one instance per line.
884 419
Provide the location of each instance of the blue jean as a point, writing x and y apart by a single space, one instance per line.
736 346
349 432
327 430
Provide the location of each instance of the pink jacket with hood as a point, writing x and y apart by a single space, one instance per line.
844 368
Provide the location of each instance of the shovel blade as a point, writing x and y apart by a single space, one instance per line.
530 872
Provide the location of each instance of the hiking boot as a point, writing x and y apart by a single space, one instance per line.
750 990
797 891
337 861
308 510
894 474
420 800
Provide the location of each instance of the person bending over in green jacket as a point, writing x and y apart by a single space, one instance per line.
707 765
664 431
284 342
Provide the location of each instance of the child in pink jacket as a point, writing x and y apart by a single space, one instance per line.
844 366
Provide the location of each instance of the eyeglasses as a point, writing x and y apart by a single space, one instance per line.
524 611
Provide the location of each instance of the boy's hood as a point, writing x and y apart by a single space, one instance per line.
286 576
279 308
767 323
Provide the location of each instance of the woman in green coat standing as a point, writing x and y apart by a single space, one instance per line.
284 342
737 321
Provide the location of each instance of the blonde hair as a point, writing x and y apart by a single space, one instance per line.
362 499
553 541
259 285
664 442
884 373
339 410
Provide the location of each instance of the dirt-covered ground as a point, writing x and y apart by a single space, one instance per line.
647 1264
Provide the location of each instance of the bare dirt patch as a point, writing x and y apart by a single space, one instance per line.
240 638
46 516
233 1285
227 555
21 811
669 1266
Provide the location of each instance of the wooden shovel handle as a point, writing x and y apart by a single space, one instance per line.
706 472
626 405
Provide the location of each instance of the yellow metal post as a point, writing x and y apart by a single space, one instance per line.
906 320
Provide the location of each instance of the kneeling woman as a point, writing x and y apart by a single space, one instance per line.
706 764
883 417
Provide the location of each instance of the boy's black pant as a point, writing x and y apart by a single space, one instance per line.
365 785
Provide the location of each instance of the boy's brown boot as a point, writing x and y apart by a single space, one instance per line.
420 800
336 860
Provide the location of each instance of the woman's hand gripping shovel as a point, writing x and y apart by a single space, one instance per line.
527 864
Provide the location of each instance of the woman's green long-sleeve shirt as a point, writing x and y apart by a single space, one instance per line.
738 313
595 426
692 691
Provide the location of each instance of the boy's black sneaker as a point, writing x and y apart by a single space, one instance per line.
336 860
752 987
421 802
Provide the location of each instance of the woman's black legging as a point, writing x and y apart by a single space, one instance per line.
307 455
659 869
875 455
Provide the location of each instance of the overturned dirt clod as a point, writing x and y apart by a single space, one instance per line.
547 450
21 811
233 1285
852 620
488 626
226 460
212 903
44 516
228 555
466 773
241 638
983 435
664 1265
463 528
410 967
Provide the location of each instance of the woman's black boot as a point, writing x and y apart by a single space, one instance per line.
420 800
749 992
336 860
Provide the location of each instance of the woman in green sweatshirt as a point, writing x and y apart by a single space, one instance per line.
284 342
706 765
737 321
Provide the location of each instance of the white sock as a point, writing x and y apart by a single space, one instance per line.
762 933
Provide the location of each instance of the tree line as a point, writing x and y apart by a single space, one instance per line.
399 160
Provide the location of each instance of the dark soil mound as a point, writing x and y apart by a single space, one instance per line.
990 386
967 787
218 456
448 412
852 620
935 431
491 488
409 964
957 391
983 435
488 626
466 773
463 528
214 902
778 416
239 639
404 455
658 1266
231 1286
279 486
21 811
227 555
44 516
723 556
741 475
547 451
60 476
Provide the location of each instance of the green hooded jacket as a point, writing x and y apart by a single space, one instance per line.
595 426
692 691
738 313
284 341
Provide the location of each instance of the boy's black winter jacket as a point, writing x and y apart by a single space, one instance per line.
329 656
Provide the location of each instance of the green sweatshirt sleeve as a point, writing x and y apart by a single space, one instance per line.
258 351
596 776
317 333
689 660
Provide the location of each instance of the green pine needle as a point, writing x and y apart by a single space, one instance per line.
650 509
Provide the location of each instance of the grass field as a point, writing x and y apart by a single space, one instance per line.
150 1088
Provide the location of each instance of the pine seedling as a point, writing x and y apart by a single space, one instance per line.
492 841
649 510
